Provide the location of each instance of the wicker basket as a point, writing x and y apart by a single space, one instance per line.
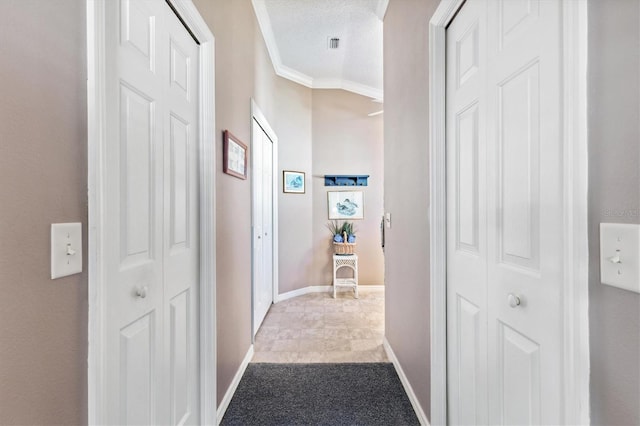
344 248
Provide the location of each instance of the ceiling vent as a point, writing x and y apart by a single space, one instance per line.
334 43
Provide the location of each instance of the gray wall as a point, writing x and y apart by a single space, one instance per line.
295 211
43 180
614 196
244 71
406 188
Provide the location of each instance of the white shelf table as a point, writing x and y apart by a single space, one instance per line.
345 261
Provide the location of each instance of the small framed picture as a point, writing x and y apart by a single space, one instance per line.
346 204
292 182
234 155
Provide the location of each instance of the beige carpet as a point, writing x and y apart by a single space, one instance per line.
317 328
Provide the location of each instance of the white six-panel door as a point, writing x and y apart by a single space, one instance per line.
504 201
151 217
467 259
262 168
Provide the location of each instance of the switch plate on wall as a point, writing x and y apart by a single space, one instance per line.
387 220
66 249
620 255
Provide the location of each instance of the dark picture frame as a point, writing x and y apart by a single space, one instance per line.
234 156
293 182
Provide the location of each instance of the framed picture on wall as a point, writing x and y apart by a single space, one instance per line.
346 204
234 156
292 182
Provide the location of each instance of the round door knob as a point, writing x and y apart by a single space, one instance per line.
142 292
514 301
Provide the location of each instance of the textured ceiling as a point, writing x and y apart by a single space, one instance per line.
297 33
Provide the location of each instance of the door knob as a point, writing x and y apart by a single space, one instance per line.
514 301
141 292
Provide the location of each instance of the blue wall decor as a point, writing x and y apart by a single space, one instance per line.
345 180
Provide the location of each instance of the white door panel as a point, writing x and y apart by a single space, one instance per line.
137 370
181 239
466 206
504 213
518 391
258 247
262 224
151 211
138 20
526 248
266 292
467 364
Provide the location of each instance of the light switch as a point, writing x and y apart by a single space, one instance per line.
387 220
620 255
66 249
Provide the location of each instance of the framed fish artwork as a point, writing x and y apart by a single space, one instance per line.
346 204
292 182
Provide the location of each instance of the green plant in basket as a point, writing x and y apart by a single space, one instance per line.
350 230
344 238
336 231
339 231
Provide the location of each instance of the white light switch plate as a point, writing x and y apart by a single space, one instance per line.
387 220
66 249
620 255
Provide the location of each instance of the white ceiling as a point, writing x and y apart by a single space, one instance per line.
297 31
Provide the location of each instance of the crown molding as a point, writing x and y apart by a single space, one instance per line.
348 85
381 8
293 75
264 22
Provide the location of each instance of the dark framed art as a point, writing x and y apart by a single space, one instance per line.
234 156
293 182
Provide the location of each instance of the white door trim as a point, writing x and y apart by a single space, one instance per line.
575 169
96 96
256 114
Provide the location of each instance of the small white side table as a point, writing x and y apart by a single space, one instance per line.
345 261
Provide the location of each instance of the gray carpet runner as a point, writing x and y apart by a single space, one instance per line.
320 394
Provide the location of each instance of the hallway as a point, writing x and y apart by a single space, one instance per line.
348 94
320 360
317 328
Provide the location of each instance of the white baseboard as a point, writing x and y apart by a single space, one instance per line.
224 404
372 287
302 291
321 289
422 418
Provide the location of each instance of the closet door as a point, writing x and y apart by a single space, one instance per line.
262 224
151 246
504 236
467 260
525 212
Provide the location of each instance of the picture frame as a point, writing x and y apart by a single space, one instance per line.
234 156
293 182
345 204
